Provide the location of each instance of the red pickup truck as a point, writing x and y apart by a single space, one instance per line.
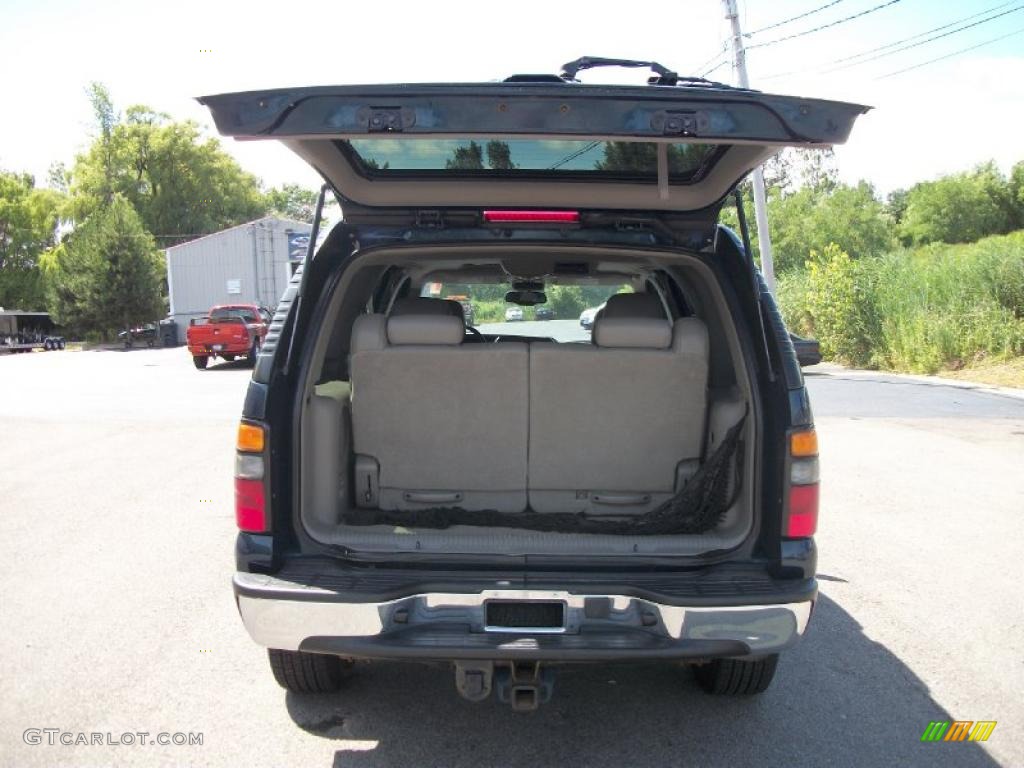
228 331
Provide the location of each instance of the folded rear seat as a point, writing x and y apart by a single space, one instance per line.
436 423
617 427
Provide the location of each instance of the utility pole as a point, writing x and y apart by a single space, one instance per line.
764 240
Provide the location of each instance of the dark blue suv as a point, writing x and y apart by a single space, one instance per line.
410 486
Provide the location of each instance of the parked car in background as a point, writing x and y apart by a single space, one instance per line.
544 313
513 313
140 334
229 331
588 315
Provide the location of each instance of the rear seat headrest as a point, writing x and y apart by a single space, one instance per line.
634 305
425 305
633 320
424 320
425 329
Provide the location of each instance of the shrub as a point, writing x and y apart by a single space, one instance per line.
841 307
914 310
944 306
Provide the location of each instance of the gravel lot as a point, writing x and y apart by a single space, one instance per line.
118 614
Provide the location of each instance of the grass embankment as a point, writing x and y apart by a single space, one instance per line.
933 309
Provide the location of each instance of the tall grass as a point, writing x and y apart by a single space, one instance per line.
939 306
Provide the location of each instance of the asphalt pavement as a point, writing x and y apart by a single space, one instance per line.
117 612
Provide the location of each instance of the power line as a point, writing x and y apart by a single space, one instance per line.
714 58
951 55
793 18
717 66
823 26
900 42
923 42
922 34
573 155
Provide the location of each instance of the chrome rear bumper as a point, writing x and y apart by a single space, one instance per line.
454 626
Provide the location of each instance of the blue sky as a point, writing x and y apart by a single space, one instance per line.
940 118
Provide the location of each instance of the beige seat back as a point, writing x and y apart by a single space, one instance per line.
617 427
436 423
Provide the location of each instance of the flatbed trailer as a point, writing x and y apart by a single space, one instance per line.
28 331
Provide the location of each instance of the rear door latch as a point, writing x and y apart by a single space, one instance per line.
680 123
388 119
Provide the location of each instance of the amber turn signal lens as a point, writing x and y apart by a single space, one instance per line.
803 443
250 438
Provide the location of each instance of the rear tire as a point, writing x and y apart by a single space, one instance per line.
300 672
735 677
200 361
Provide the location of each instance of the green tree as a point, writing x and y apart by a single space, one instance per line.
566 300
499 156
794 168
1016 194
28 226
896 205
642 157
292 201
468 158
959 208
106 275
810 219
181 184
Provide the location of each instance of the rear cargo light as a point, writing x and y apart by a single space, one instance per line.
250 505
505 217
802 499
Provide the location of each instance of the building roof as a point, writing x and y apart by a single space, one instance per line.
297 225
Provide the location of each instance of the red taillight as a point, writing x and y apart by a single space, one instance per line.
803 511
802 507
508 217
250 505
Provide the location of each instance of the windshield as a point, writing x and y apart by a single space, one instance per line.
592 159
566 315
233 315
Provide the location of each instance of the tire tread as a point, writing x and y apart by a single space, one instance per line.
306 672
737 677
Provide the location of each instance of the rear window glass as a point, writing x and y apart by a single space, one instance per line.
233 315
590 159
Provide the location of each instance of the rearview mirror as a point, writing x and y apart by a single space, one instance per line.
526 298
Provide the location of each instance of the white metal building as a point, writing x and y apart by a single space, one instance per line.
248 264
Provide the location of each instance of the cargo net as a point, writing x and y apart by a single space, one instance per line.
697 508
